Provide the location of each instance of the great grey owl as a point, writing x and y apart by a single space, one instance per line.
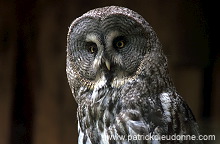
118 76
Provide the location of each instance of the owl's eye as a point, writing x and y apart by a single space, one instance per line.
92 47
119 42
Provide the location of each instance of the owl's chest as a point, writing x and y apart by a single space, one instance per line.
107 114
97 116
101 107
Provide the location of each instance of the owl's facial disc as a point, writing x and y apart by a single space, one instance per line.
112 47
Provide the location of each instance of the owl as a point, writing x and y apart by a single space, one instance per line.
119 78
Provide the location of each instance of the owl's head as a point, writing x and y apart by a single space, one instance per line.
108 44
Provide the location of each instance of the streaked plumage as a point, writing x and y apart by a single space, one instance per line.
118 76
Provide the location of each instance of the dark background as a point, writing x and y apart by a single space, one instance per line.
36 105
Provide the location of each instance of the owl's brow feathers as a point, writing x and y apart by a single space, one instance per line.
103 13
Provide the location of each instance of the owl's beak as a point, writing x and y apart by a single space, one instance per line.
107 63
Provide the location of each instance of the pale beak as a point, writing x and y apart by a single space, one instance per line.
107 63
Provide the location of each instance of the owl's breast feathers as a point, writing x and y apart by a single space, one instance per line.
131 110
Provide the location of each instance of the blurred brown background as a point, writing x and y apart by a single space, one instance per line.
36 105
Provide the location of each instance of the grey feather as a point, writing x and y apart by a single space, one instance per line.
118 76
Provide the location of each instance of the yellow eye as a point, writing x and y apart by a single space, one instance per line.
120 44
92 47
